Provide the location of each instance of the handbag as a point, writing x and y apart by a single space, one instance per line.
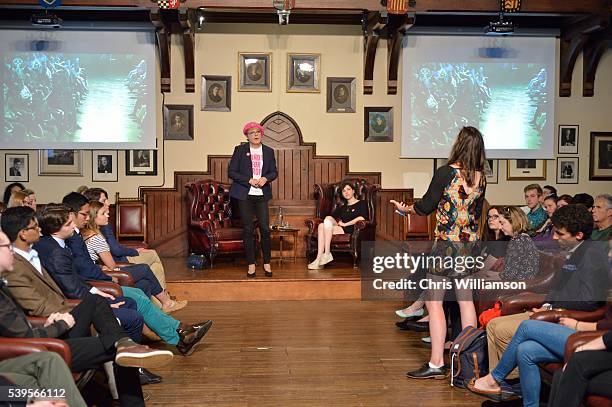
197 261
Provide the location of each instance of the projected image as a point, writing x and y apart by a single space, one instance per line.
55 97
501 99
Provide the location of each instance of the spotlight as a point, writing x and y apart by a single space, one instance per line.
283 9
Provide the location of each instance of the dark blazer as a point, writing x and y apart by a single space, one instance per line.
119 251
37 294
14 324
60 266
82 261
240 170
582 282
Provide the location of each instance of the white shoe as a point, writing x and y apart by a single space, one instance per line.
314 265
326 258
417 313
426 339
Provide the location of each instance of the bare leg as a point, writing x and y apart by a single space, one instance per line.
437 331
329 224
468 314
320 240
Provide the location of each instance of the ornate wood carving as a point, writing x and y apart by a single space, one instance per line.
162 32
188 48
594 48
396 28
573 40
373 25
281 131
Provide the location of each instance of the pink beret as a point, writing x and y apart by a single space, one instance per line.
250 125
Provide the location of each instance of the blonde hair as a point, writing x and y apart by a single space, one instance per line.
16 199
518 219
94 209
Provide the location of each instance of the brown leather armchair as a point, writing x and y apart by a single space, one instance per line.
214 226
131 221
13 347
328 197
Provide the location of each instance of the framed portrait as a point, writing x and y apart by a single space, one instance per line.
568 139
303 73
216 93
526 169
600 157
104 165
378 124
17 167
178 122
141 162
254 72
567 170
341 95
56 162
491 171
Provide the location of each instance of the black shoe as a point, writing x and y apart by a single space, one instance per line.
146 377
251 275
427 372
268 273
417 326
402 324
189 337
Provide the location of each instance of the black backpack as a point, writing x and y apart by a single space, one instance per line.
469 357
197 262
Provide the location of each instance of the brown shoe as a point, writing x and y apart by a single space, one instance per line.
142 356
189 337
177 305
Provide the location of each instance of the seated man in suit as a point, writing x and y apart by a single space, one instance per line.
123 253
580 285
88 352
172 331
141 273
57 224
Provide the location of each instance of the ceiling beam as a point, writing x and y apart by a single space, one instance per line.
531 6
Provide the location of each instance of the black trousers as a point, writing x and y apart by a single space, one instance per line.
587 372
90 352
255 205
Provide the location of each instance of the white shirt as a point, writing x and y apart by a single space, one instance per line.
31 257
257 166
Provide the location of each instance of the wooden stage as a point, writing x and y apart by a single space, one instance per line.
227 281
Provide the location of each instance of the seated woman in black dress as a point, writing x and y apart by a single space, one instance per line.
341 221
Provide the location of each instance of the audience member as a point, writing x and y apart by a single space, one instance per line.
123 253
42 371
30 199
10 188
88 352
98 249
602 217
17 199
535 213
581 286
548 190
545 232
564 200
583 199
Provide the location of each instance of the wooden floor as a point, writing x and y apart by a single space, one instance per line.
227 281
301 353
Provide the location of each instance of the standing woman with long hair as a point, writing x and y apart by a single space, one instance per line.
251 169
457 193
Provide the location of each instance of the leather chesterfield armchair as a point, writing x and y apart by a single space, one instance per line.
214 224
328 197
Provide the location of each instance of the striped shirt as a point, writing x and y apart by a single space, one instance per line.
96 244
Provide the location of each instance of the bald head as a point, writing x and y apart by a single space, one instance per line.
6 254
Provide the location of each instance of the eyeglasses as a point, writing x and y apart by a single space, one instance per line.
35 227
8 245
83 214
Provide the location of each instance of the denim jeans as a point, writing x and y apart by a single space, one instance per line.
534 342
162 324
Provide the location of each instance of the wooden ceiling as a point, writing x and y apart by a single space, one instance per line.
584 25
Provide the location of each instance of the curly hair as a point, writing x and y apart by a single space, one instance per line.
574 218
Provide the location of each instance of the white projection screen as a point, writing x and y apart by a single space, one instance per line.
78 89
504 86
